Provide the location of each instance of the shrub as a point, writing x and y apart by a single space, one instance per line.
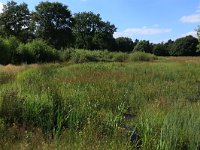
79 56
141 56
65 55
23 54
42 51
35 51
5 53
13 44
120 57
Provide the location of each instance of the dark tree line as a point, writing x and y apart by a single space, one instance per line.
25 34
185 46
54 23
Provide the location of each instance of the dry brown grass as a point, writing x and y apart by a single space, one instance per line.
185 59
13 69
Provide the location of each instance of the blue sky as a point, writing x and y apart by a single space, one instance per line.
154 20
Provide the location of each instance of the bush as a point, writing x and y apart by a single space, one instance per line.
120 57
42 51
23 55
5 53
13 44
141 56
35 51
81 56
65 55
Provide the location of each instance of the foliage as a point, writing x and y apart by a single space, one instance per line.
15 20
141 56
124 44
160 49
5 52
143 46
186 46
81 56
35 51
91 32
98 105
52 22
120 57
198 36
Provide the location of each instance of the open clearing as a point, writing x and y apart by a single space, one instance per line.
98 105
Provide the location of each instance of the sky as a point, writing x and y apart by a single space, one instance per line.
153 20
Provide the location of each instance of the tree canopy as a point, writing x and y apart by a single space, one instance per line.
144 46
24 35
185 46
52 21
124 44
15 20
91 32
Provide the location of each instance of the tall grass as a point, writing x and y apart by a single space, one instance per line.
99 105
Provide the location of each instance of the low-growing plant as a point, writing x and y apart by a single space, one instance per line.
35 51
120 57
142 56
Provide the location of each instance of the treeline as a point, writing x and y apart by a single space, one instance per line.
41 35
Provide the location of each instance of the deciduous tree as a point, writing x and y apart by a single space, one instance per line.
15 20
91 32
52 21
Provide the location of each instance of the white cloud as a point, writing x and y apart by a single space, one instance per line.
194 18
142 31
193 33
1 7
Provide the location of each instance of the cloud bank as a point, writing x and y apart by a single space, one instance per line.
193 33
142 31
194 18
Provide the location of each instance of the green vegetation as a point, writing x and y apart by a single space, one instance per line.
51 33
99 92
98 105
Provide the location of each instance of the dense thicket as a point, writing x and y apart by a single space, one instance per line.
44 34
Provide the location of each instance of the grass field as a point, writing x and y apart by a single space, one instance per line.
101 105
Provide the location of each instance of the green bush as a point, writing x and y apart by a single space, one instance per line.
13 44
142 56
65 55
120 57
23 55
5 53
81 56
35 51
42 51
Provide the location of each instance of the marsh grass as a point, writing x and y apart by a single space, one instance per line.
85 106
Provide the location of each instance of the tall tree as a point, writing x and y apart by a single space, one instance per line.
91 32
52 22
144 46
185 46
160 49
124 44
15 20
198 35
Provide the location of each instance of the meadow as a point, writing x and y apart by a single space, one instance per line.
101 105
